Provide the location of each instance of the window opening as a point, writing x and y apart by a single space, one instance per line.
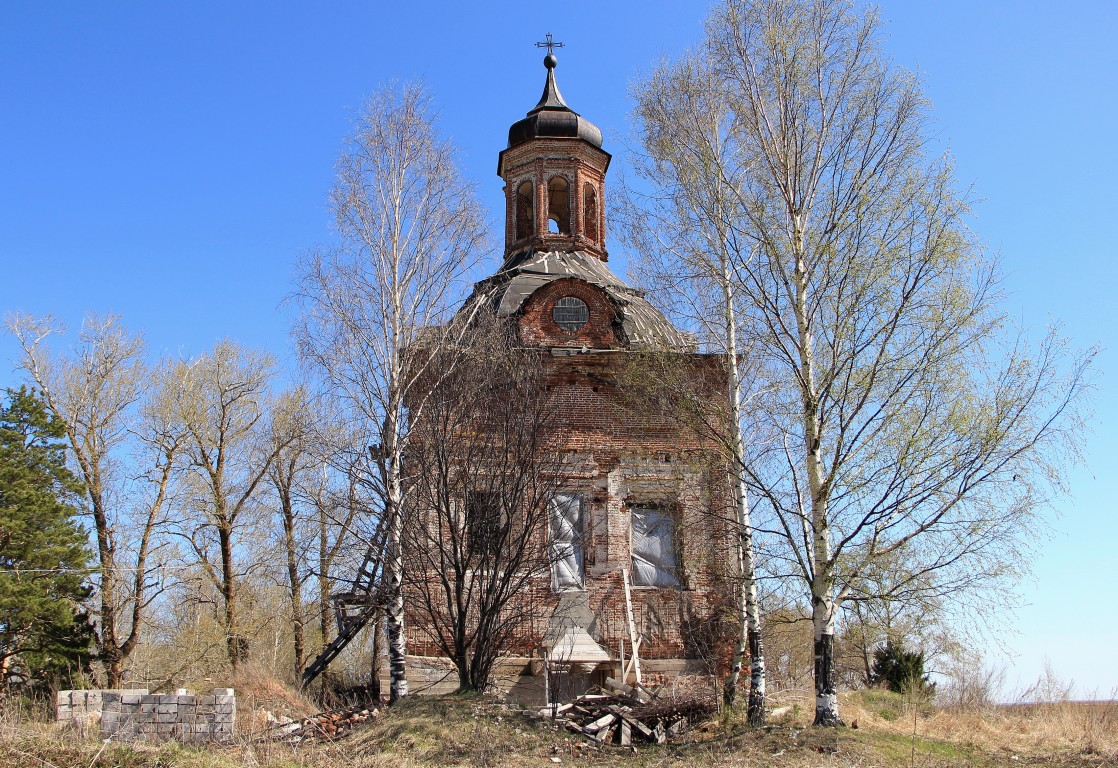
483 524
525 211
590 211
570 313
559 205
654 546
567 521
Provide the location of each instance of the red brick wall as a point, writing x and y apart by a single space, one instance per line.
623 453
538 328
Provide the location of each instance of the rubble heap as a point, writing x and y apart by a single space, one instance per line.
624 715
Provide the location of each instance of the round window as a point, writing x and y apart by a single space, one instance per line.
570 313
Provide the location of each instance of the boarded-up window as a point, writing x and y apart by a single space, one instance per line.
655 554
567 522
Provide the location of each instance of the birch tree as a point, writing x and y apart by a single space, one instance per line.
902 413
681 231
409 228
124 449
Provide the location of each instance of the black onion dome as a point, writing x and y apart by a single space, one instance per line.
552 118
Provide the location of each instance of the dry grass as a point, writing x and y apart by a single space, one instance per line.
1059 732
478 732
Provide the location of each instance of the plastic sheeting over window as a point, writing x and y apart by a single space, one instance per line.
567 523
655 561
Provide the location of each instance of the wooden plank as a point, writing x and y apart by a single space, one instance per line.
638 695
640 727
626 738
634 643
650 693
600 723
550 711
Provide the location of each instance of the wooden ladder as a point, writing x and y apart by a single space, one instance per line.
352 610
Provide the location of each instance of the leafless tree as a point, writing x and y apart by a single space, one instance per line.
409 229
221 401
292 436
899 416
484 464
124 450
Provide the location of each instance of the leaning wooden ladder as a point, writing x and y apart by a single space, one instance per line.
352 610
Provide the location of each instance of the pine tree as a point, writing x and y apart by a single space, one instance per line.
900 670
43 556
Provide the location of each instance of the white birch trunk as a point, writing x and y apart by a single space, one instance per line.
750 614
822 580
394 611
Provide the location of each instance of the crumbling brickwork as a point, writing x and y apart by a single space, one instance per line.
617 458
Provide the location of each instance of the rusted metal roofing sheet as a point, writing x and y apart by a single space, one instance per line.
526 272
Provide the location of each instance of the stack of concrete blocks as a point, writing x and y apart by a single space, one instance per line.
137 714
182 716
82 707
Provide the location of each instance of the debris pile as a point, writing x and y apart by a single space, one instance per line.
324 725
625 715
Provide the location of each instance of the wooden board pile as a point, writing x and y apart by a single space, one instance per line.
627 715
324 725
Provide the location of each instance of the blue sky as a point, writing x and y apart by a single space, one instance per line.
170 163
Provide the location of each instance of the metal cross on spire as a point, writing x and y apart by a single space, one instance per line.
550 45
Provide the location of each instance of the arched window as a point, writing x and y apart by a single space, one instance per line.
590 211
525 211
559 206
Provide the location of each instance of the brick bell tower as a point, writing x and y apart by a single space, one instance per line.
554 170
554 282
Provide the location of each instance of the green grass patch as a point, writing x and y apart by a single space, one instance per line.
897 748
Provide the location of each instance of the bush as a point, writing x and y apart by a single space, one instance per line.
900 670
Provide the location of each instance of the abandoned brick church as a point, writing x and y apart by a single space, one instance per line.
639 516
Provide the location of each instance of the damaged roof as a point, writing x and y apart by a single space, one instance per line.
524 273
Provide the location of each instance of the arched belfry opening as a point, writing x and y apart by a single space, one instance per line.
590 212
559 206
525 211
554 168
